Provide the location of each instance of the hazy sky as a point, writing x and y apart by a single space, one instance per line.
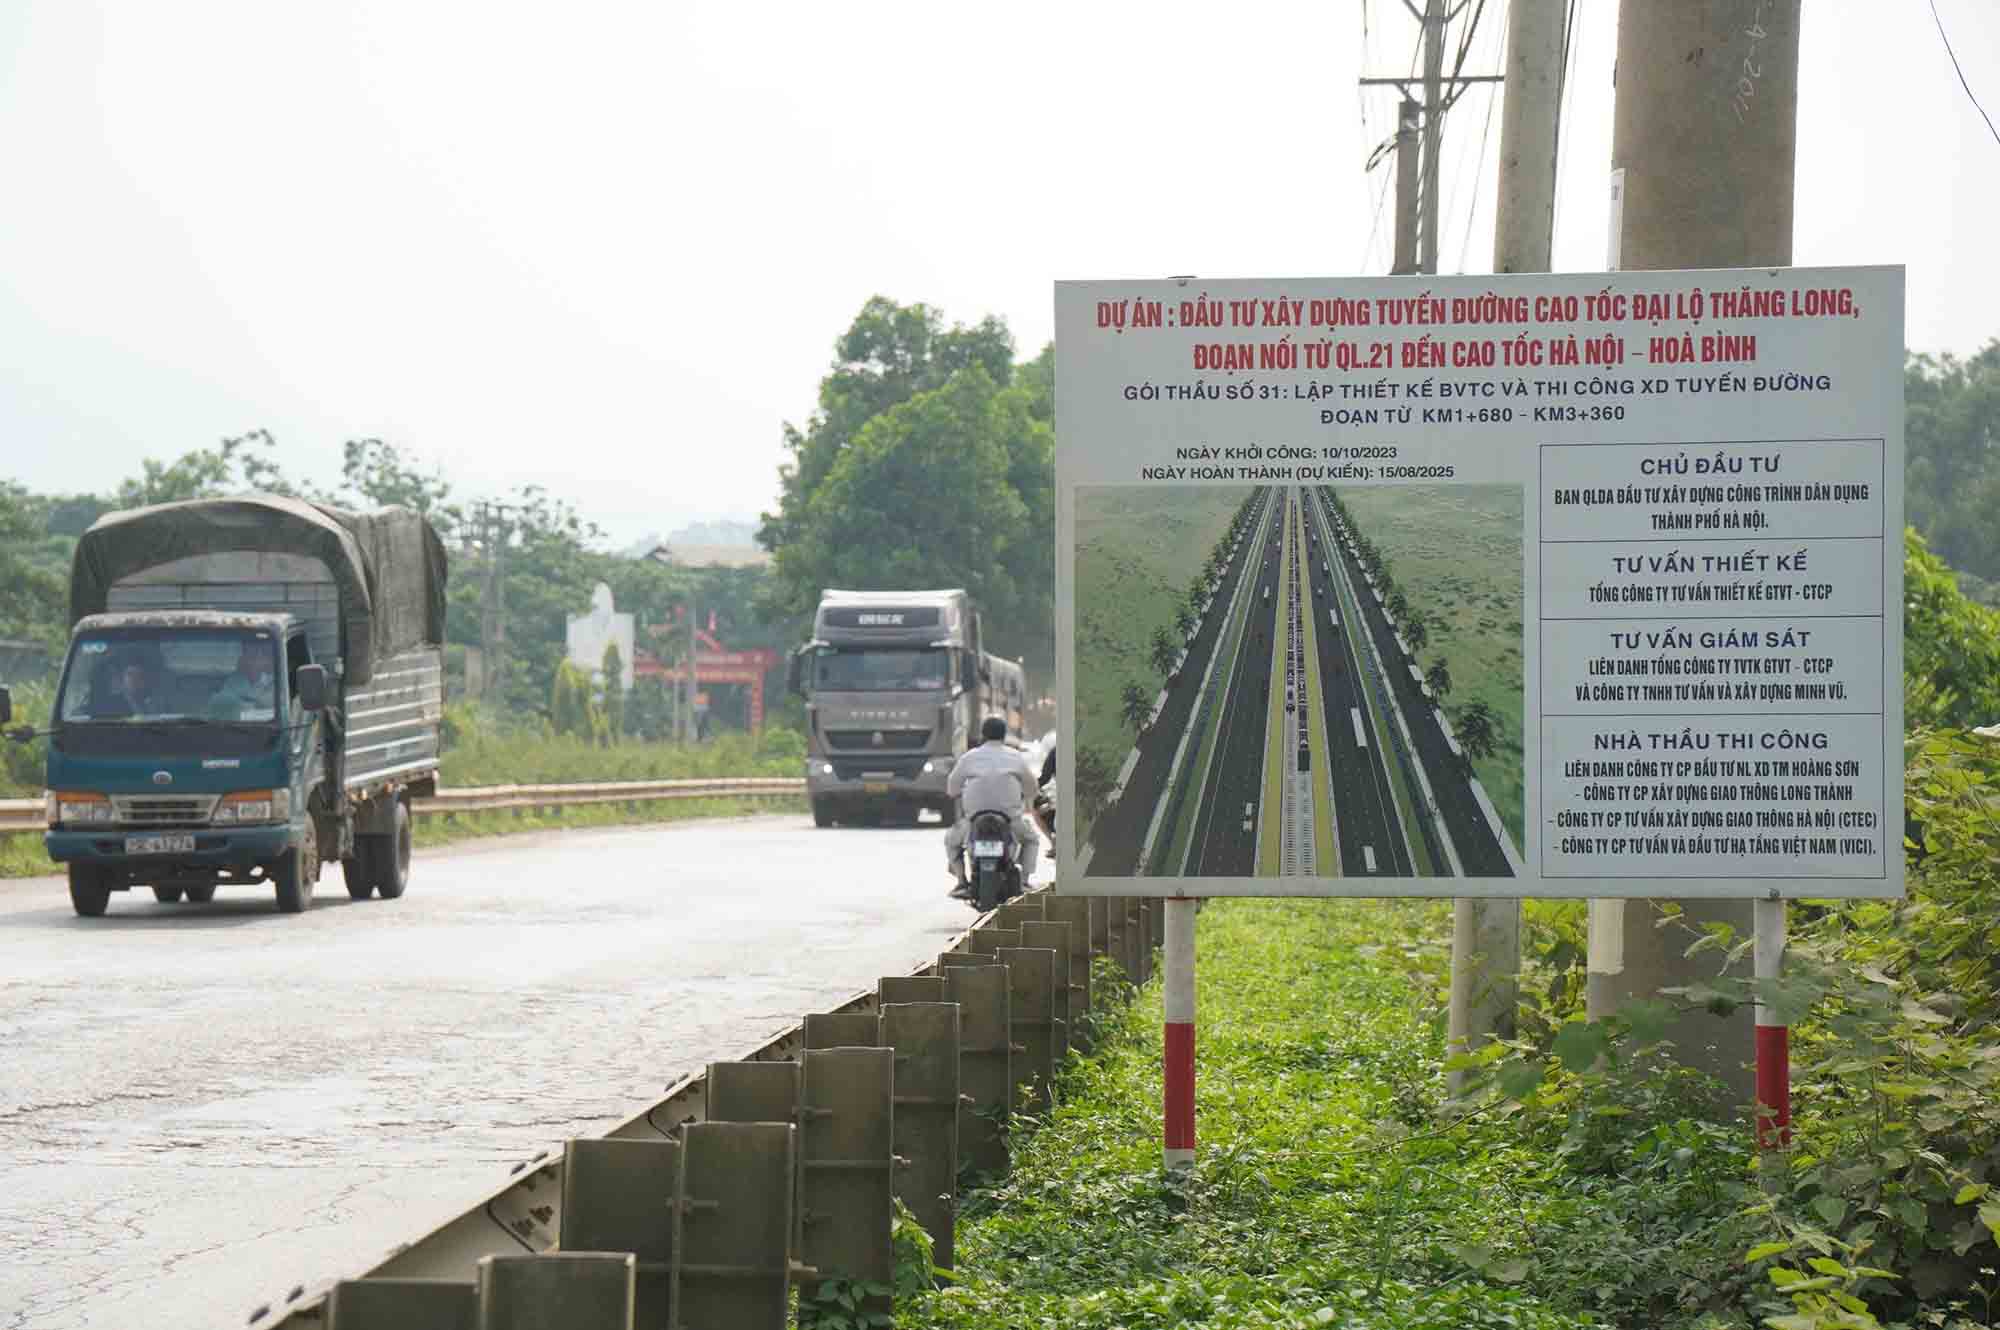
606 247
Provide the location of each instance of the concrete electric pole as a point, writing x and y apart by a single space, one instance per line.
1427 238
1408 117
1486 933
1705 137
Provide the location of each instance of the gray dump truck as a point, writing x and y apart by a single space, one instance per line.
254 686
896 683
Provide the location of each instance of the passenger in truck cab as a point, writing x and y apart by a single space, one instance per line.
250 687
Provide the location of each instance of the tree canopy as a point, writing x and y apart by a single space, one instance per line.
930 462
1952 476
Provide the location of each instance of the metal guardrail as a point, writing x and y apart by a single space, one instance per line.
523 1214
18 816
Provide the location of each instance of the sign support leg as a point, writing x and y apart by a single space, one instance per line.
1179 995
1774 1054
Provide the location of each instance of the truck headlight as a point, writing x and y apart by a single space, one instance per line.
826 768
76 807
254 806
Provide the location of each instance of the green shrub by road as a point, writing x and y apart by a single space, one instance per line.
1324 1193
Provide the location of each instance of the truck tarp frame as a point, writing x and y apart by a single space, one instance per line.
388 566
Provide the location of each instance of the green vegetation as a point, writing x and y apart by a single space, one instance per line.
547 554
473 826
1951 478
1320 1196
928 463
1137 551
1456 555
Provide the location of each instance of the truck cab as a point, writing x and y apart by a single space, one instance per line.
187 750
896 684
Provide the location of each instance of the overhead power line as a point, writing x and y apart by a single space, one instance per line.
1961 74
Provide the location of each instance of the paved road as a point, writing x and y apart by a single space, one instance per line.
1364 806
1472 835
203 1106
1222 847
1120 832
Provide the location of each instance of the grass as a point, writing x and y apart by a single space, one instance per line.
1137 549
1456 553
1322 1194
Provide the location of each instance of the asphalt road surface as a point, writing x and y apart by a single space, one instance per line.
1364 806
204 1106
1223 847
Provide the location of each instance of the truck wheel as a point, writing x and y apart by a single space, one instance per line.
201 895
87 892
822 814
293 876
360 870
167 895
391 854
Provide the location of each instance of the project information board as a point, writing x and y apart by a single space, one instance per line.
1551 585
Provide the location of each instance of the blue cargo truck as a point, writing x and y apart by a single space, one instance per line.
253 687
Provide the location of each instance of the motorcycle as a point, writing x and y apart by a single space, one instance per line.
993 870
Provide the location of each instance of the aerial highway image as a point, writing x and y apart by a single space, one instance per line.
1300 681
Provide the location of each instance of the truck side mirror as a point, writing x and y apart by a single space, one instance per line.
311 684
6 706
795 673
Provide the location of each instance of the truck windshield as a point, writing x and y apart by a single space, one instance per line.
129 676
880 670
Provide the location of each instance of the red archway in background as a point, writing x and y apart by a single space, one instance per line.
713 664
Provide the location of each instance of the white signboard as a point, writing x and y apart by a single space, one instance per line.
1578 585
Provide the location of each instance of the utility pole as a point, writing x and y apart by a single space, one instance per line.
493 533
1705 134
689 731
1408 117
1486 932
1434 20
1417 182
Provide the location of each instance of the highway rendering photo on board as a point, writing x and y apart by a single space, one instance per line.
1299 681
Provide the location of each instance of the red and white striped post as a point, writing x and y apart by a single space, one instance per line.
1179 995
1774 1051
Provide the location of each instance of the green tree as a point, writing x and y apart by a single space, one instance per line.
614 692
1184 621
381 475
1135 706
1480 730
1416 632
929 462
1399 605
1164 651
1438 679
950 488
1952 470
1087 785
232 466
1951 646
33 599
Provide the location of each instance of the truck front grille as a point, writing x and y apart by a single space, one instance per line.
164 810
891 740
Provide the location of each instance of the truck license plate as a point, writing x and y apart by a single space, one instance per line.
874 787
175 843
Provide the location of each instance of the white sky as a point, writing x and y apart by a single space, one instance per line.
606 247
